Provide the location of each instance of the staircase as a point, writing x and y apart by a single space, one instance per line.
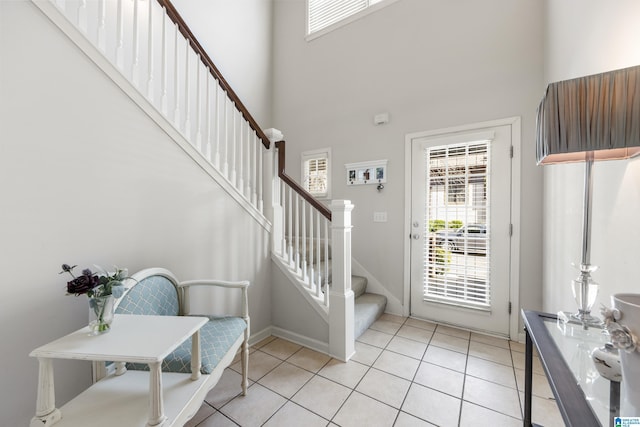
315 258
368 307
147 49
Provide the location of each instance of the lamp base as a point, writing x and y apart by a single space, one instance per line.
584 319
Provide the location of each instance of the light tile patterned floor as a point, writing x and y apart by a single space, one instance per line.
406 372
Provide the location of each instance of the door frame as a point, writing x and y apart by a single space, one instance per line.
514 269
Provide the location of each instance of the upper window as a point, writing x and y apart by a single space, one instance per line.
328 14
316 172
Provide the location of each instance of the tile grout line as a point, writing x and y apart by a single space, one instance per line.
464 382
414 377
289 399
502 385
405 395
281 361
369 367
314 374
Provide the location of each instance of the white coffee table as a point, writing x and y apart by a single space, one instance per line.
137 398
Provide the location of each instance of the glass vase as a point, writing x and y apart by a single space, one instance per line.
101 314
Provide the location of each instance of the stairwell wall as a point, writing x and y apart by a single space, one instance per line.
293 316
87 178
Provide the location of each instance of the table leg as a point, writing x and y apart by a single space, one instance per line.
614 401
245 361
46 412
156 402
196 357
528 379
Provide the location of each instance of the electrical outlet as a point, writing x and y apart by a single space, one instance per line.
379 217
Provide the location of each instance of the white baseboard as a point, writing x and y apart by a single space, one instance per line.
275 331
259 336
311 343
394 305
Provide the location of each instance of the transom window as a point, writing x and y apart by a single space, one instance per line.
328 14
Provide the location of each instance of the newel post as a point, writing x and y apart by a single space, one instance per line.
272 190
341 298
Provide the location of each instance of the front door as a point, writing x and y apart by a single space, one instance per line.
460 228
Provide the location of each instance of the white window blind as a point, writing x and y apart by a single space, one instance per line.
457 214
323 13
316 172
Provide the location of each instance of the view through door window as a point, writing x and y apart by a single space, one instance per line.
457 218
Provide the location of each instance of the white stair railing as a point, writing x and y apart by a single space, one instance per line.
306 242
154 50
314 243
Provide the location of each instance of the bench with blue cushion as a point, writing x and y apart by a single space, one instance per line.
156 291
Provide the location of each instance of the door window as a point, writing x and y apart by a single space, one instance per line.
458 257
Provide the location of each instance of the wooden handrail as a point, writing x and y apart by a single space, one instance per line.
184 29
186 32
280 145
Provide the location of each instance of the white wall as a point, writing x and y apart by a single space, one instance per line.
87 178
431 65
237 37
588 37
292 313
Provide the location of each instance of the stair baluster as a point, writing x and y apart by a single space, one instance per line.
150 48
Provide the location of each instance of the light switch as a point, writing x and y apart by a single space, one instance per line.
379 217
381 119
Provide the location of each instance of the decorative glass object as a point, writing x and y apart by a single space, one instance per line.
102 314
585 290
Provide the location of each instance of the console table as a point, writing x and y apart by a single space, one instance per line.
583 396
136 399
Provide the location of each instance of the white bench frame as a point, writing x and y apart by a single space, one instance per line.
100 370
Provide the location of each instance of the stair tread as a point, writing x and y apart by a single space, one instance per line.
358 285
368 308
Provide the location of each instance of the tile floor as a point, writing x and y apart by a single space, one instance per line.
406 372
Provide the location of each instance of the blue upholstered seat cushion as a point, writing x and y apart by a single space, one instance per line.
157 295
216 338
154 295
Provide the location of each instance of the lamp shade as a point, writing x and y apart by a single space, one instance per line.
593 117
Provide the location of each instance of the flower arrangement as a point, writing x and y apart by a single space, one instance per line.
95 285
102 289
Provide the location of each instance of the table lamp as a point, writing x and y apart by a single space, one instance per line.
588 119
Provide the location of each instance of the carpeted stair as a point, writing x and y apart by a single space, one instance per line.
368 307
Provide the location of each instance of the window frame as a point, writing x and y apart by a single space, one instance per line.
305 156
373 6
